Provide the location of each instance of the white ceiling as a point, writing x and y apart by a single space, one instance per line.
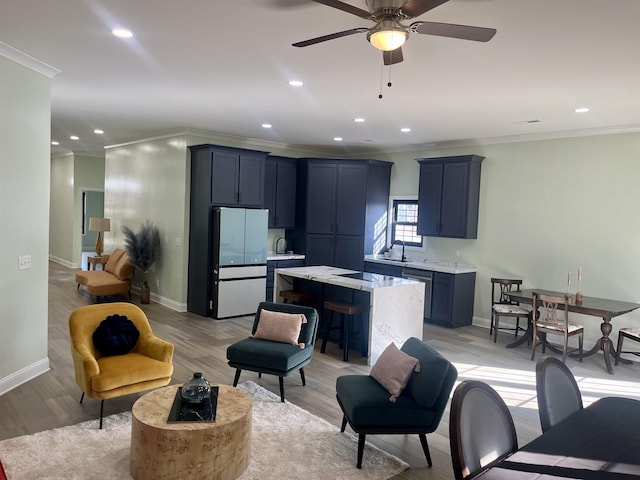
223 67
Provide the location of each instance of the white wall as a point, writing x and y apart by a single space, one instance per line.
547 208
25 106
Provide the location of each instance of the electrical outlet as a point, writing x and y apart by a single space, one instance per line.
178 241
166 239
457 253
24 262
157 283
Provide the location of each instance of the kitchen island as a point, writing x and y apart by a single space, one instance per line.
393 306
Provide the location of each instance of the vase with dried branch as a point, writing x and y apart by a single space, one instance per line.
143 249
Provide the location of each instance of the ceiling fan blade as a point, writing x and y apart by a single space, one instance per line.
392 57
415 8
324 38
464 32
345 7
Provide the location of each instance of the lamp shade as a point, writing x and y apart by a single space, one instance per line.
388 39
97 224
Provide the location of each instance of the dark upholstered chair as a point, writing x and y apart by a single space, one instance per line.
481 429
275 358
558 392
418 410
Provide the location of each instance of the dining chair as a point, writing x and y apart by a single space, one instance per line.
481 429
557 391
631 334
549 322
502 306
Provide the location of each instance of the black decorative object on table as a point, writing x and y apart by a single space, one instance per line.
205 411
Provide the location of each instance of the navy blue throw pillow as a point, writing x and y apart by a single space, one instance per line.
116 335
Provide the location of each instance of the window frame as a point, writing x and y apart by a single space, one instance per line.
394 202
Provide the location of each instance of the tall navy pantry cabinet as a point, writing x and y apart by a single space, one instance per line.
220 176
339 205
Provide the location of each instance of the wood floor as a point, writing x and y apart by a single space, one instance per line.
51 400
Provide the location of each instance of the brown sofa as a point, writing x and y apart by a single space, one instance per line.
113 279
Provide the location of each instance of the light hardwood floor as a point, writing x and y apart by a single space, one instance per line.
51 400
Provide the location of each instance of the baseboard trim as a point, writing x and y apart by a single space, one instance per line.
24 375
64 262
167 302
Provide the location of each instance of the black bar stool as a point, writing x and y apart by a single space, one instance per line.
347 312
297 297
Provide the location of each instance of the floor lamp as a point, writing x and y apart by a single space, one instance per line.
97 224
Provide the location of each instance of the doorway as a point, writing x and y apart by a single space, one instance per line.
92 206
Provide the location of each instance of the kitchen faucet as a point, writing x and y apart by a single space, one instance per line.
403 258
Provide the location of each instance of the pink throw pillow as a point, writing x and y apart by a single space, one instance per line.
393 370
280 327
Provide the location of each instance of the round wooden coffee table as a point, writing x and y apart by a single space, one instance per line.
219 450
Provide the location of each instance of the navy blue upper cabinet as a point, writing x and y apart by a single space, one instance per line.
280 191
236 176
449 194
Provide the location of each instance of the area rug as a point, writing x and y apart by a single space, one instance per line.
288 443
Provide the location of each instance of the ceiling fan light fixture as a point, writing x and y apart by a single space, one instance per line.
387 39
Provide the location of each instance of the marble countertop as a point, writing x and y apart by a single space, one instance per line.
335 276
426 264
284 256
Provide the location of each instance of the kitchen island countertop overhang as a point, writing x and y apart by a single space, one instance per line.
396 305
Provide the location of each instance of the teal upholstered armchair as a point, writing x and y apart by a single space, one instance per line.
418 410
275 357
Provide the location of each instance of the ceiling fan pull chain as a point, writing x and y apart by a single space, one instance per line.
389 82
381 80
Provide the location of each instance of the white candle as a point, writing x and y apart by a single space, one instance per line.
569 279
579 274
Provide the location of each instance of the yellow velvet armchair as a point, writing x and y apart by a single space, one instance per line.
147 366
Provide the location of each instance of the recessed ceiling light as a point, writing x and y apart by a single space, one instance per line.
98 131
74 137
405 130
266 125
122 33
55 143
337 139
359 120
581 110
295 83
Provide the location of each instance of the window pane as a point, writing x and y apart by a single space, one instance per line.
405 222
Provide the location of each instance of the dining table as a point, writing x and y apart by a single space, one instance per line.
601 441
597 307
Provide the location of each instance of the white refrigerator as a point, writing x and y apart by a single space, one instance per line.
239 243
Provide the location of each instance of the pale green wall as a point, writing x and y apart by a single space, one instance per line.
70 175
88 176
25 106
61 215
547 208
147 181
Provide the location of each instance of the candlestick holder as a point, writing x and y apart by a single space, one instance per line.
578 296
568 297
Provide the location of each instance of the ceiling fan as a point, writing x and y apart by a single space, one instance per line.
389 33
